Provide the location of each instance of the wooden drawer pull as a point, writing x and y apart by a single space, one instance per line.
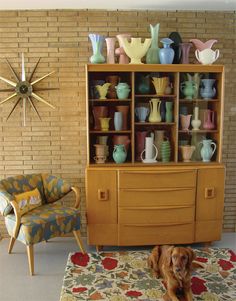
209 193
103 195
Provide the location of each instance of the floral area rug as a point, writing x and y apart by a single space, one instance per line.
121 276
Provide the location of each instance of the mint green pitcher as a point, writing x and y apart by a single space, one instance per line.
119 153
207 151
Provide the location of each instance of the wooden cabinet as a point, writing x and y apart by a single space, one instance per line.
136 203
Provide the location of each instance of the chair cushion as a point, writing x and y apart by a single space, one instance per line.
29 200
18 184
45 222
54 188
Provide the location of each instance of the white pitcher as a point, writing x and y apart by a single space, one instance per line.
149 147
207 56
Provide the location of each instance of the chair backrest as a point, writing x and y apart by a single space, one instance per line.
51 189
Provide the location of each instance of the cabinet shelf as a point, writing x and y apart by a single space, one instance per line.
112 100
155 95
198 100
110 132
198 132
154 123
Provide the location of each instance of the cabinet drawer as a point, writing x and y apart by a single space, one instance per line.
155 179
146 215
137 197
154 235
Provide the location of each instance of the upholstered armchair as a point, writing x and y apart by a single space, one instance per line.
33 212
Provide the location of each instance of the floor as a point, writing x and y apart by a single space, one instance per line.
50 262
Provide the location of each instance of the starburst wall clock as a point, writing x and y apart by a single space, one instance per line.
24 90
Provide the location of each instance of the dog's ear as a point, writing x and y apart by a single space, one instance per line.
168 256
191 255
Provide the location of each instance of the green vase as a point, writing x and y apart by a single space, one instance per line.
169 111
152 56
97 44
119 153
165 151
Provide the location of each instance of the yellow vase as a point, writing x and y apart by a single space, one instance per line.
102 90
160 84
155 115
104 123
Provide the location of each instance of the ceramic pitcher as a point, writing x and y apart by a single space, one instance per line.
155 114
209 120
208 149
119 153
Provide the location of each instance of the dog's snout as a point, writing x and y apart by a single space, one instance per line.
178 269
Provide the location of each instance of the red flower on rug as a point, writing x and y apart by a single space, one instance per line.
80 259
79 289
109 263
225 265
198 286
201 259
133 294
233 256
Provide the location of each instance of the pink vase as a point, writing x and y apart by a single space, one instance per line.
185 48
209 120
110 42
140 144
121 139
185 121
201 45
124 110
99 112
123 58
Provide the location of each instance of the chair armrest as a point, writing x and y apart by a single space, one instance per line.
5 202
18 218
77 196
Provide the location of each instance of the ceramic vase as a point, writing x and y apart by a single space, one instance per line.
144 85
169 111
149 154
196 122
188 88
207 90
125 111
155 115
141 113
160 84
118 121
113 80
166 54
186 152
152 56
136 49
97 45
196 77
93 90
209 120
185 49
104 121
110 42
139 143
119 153
99 111
165 151
122 90
102 90
123 58
158 139
203 45
185 121
208 149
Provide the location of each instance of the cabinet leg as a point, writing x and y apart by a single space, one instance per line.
99 248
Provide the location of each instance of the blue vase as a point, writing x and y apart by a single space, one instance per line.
152 56
166 54
97 44
207 91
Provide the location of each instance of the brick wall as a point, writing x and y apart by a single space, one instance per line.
60 37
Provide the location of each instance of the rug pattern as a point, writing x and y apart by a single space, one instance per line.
123 276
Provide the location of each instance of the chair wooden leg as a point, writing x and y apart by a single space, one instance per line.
30 253
79 240
11 244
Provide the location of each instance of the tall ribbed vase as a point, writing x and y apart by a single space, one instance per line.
152 56
165 151
97 44
110 42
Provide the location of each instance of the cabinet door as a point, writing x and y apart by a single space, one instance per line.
209 204
101 197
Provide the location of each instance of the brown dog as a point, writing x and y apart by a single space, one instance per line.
174 265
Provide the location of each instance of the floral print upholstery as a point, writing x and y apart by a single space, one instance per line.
45 222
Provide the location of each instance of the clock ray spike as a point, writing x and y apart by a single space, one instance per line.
8 98
7 90
12 110
22 67
13 71
8 81
34 108
41 78
42 100
24 111
44 89
32 73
